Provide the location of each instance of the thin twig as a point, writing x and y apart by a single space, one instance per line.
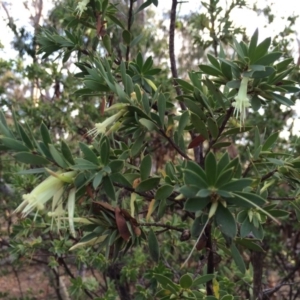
172 52
268 175
129 27
162 225
222 127
282 198
19 283
174 145
194 247
268 293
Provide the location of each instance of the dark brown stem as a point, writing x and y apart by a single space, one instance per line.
212 30
268 175
222 127
257 259
172 52
210 259
173 144
129 26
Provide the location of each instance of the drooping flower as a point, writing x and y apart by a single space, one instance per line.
50 188
242 101
82 6
71 208
102 127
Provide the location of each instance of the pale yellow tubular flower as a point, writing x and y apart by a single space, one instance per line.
57 208
102 127
242 101
42 193
71 208
82 6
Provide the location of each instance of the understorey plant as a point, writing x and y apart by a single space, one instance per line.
198 217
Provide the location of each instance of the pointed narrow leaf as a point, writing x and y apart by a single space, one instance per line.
108 188
153 246
57 156
196 204
13 144
146 166
32 159
271 140
226 221
148 184
211 168
238 258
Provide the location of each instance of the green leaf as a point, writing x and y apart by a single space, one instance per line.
119 178
153 246
126 35
209 70
271 140
97 179
163 192
238 259
164 281
57 156
226 70
236 185
220 145
261 50
199 126
225 221
253 44
203 279
247 228
213 127
192 178
66 152
116 165
148 124
249 244
83 164
282 100
213 61
253 200
183 121
26 139
13 144
268 58
88 153
137 145
161 105
146 166
196 204
186 281
45 134
144 5
237 130
104 151
148 184
32 159
108 188
211 169
107 43
185 85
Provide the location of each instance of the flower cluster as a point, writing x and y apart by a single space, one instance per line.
101 128
51 188
82 6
